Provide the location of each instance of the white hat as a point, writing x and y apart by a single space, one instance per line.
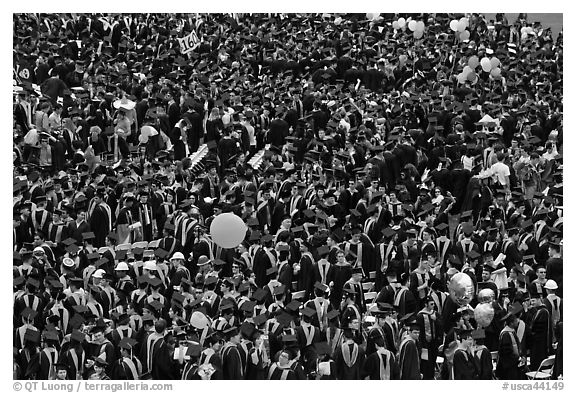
177 255
150 265
124 103
39 249
551 284
68 262
202 260
99 273
199 320
122 266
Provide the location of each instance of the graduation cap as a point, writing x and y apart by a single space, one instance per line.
32 336
388 232
33 282
127 343
323 251
77 335
332 315
50 335
154 282
308 312
178 298
513 309
161 253
247 329
322 287
260 319
69 241
156 305
210 280
248 306
279 290
260 295
194 350
293 306
28 313
442 226
88 235
289 338
18 281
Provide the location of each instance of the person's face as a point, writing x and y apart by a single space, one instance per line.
82 216
485 275
266 195
355 324
98 336
414 334
61 374
541 273
430 305
283 359
287 223
340 257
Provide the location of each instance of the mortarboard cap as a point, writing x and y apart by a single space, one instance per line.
77 335
293 306
32 336
88 235
308 312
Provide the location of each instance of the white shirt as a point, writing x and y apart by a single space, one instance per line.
500 172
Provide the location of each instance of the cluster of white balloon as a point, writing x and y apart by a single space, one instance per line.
525 31
459 27
461 289
491 65
416 27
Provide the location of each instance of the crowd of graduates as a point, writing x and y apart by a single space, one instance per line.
370 176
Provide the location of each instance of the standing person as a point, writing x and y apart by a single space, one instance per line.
464 364
100 218
482 356
349 357
382 364
128 367
430 337
124 221
510 357
231 360
409 354
539 340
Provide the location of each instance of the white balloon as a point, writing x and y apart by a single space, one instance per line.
495 62
418 34
467 70
401 22
420 26
462 26
395 25
461 78
523 30
454 25
412 25
486 65
465 35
